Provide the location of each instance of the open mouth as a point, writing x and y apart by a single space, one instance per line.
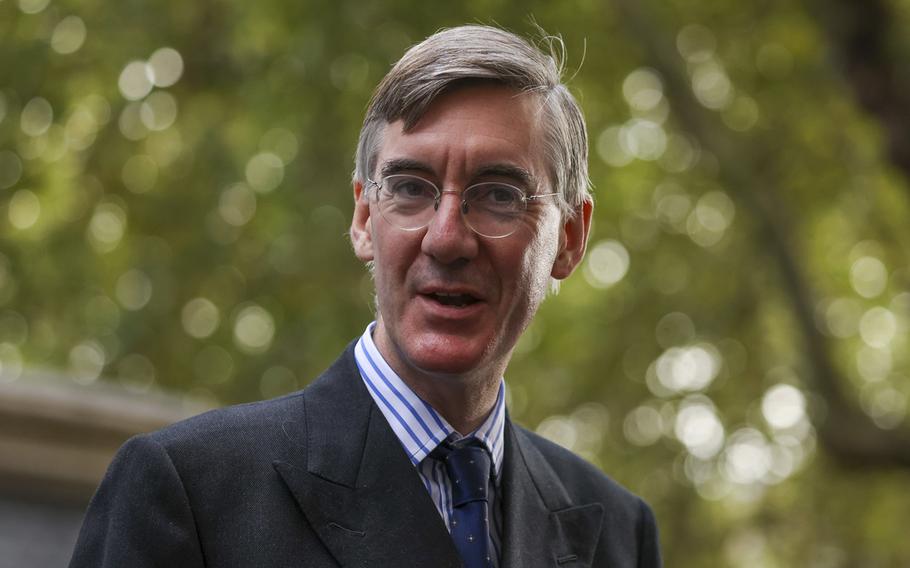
456 300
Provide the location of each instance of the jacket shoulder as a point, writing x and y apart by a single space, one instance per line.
232 422
581 479
258 425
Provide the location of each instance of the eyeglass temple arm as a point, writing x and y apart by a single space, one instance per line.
539 195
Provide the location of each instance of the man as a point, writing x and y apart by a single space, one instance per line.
470 196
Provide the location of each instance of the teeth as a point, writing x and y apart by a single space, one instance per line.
459 300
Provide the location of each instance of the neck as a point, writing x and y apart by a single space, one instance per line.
465 402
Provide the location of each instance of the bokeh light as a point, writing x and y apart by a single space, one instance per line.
135 80
200 317
643 139
237 204
711 85
33 6
699 428
68 35
264 172
607 264
165 67
696 43
877 327
87 360
158 111
643 89
37 117
709 220
783 406
868 276
841 317
254 329
134 289
24 209
747 457
689 368
643 426
107 226
130 122
611 150
136 372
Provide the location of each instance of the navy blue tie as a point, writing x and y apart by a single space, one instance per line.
468 465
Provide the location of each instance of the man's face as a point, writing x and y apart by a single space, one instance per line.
451 301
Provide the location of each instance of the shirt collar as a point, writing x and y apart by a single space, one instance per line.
417 425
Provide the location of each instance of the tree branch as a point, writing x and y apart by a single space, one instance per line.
859 32
843 429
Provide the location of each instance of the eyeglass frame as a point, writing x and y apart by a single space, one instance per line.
525 198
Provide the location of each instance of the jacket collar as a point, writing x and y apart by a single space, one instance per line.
341 483
542 526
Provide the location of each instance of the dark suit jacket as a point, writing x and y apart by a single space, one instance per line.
318 478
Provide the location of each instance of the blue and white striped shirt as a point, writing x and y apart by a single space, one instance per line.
420 429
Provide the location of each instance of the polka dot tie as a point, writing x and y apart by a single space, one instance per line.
468 465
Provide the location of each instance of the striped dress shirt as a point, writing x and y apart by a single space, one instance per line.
420 429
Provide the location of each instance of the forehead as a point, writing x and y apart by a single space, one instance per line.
468 130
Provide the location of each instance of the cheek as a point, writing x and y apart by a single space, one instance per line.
539 274
544 248
393 255
382 269
534 272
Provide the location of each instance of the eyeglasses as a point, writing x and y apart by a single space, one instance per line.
490 209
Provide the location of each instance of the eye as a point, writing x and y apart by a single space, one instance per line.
496 196
503 194
409 187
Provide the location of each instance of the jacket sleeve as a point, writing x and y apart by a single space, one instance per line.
648 544
140 515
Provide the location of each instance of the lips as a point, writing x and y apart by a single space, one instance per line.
457 300
451 297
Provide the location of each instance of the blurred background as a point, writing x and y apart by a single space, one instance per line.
175 192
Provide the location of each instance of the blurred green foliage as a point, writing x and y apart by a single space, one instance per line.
174 197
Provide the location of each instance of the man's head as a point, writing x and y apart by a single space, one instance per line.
468 107
468 54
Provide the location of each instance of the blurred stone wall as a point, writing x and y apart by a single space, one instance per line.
56 440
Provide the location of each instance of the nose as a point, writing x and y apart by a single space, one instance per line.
448 238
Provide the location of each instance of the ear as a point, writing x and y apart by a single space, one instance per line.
362 225
573 241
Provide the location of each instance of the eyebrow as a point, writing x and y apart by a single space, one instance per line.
516 173
399 165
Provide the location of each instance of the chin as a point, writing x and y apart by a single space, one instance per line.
448 356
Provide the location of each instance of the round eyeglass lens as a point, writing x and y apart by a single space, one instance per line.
407 202
493 209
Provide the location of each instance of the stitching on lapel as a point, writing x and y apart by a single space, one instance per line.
351 532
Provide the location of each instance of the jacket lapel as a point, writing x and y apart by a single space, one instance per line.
360 493
541 526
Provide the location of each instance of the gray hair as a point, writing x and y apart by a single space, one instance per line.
483 53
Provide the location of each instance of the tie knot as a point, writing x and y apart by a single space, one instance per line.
468 464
